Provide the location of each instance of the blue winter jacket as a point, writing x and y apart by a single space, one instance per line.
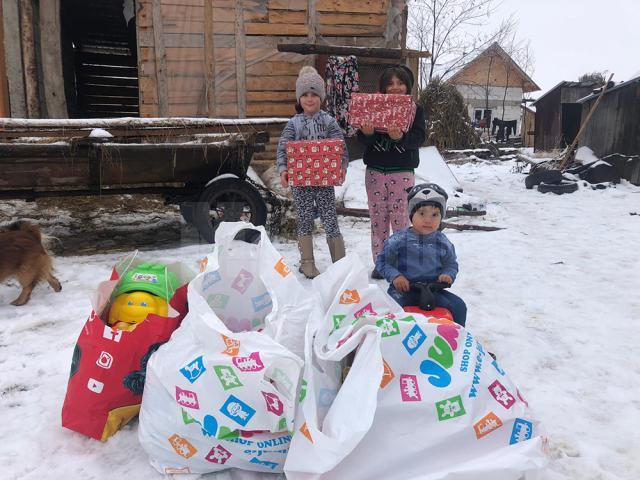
420 258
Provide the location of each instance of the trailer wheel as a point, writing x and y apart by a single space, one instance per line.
230 200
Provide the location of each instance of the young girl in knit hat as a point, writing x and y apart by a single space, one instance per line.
312 124
390 159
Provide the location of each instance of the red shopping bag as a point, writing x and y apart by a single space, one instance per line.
108 369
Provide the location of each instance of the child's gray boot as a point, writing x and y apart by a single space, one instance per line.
336 247
307 263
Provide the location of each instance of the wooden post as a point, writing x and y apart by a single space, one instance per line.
209 58
13 54
27 38
241 67
51 53
312 20
161 60
5 110
569 153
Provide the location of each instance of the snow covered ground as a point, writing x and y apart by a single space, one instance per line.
554 294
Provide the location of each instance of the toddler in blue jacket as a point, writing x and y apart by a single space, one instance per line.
422 253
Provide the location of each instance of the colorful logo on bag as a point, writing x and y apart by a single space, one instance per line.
487 424
252 363
210 279
305 431
105 360
237 410
218 300
203 264
218 454
232 346
227 376
242 281
366 310
349 297
209 426
95 385
182 446
264 463
261 302
450 408
194 369
521 398
449 331
187 398
501 394
409 389
414 339
282 424
389 327
337 321
387 374
497 367
441 359
112 334
282 268
522 431
274 404
303 390
186 418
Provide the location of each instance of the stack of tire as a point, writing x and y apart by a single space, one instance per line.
550 181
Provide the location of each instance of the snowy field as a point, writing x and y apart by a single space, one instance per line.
554 294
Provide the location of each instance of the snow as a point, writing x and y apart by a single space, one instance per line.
100 133
586 155
553 294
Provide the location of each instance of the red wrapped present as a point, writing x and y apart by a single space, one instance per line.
383 110
315 163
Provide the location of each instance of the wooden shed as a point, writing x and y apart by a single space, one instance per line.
150 58
558 114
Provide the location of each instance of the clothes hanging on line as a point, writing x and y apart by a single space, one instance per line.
342 78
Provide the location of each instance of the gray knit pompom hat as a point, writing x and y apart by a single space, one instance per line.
310 81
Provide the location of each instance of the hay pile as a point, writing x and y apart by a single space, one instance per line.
448 125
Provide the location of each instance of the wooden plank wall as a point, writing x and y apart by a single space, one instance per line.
246 32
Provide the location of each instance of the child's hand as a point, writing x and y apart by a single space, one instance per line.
367 128
395 133
401 283
445 278
284 179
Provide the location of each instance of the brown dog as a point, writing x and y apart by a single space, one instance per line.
23 256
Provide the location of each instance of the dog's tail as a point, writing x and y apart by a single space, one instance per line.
28 228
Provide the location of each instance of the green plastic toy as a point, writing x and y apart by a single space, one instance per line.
149 277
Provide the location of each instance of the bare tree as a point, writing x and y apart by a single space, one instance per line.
522 55
452 30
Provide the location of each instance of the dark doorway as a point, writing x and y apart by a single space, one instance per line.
571 115
100 58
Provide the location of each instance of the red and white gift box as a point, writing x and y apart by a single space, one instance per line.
383 110
315 163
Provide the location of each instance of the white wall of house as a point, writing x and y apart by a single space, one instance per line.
475 98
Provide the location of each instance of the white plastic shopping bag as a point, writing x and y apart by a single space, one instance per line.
219 397
422 399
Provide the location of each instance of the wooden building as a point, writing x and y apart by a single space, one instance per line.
615 124
492 85
150 58
528 126
558 114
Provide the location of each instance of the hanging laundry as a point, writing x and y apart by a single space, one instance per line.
342 80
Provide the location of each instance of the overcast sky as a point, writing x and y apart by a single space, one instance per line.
572 37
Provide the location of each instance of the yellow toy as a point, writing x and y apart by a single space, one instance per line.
130 309
143 290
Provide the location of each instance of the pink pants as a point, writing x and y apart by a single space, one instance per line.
387 196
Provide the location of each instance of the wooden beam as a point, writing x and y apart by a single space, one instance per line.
375 52
5 109
209 58
312 20
51 53
241 67
13 52
160 57
28 40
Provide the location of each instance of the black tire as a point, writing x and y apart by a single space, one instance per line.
543 176
231 200
559 188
